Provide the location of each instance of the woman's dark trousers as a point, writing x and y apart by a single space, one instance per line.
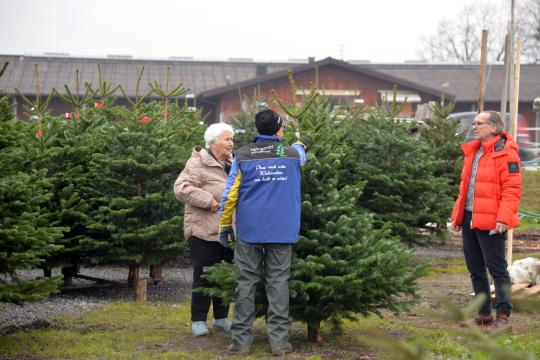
206 253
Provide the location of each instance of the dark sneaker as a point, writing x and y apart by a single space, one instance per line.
280 350
502 321
235 349
483 320
479 320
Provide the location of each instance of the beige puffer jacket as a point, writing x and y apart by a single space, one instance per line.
202 179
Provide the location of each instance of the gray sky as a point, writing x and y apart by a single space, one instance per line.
376 30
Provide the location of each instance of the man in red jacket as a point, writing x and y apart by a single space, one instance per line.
487 206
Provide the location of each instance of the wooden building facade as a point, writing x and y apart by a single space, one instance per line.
340 81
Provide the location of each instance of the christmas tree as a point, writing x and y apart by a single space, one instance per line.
341 266
402 189
62 153
444 138
243 124
26 236
132 176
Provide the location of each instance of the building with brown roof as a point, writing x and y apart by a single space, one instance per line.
217 87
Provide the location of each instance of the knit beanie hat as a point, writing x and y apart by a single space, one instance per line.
268 122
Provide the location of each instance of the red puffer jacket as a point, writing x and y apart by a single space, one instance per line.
497 189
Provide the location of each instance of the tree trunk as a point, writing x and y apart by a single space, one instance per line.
314 331
47 272
67 271
75 268
138 184
156 273
133 276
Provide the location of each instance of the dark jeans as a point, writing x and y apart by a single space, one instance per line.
483 250
206 253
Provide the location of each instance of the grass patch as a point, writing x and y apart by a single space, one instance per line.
531 191
115 331
447 266
530 200
162 331
439 339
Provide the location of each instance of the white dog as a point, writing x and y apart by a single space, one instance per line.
525 271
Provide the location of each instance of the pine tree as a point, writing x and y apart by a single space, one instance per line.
402 187
64 153
341 266
243 122
444 137
26 236
133 177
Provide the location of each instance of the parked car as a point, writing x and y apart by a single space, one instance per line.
523 138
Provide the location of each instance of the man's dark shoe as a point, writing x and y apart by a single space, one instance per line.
502 321
479 320
483 320
280 350
235 349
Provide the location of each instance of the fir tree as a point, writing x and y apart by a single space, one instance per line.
402 187
444 137
244 123
132 178
341 266
63 153
26 236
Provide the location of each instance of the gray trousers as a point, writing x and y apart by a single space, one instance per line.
270 263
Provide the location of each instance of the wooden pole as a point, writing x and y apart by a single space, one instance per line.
511 75
517 71
514 134
141 290
507 61
483 60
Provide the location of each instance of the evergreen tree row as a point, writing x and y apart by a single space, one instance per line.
94 188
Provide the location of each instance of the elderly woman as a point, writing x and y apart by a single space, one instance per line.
200 187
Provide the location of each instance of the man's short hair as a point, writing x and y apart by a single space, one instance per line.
495 119
268 122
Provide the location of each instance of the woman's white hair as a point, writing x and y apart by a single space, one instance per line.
214 132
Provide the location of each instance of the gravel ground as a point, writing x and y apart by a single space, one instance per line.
176 287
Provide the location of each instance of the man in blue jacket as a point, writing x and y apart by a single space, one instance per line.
264 189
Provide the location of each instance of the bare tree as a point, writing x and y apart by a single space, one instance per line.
458 39
528 28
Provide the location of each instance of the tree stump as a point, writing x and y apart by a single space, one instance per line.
156 273
141 290
133 277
